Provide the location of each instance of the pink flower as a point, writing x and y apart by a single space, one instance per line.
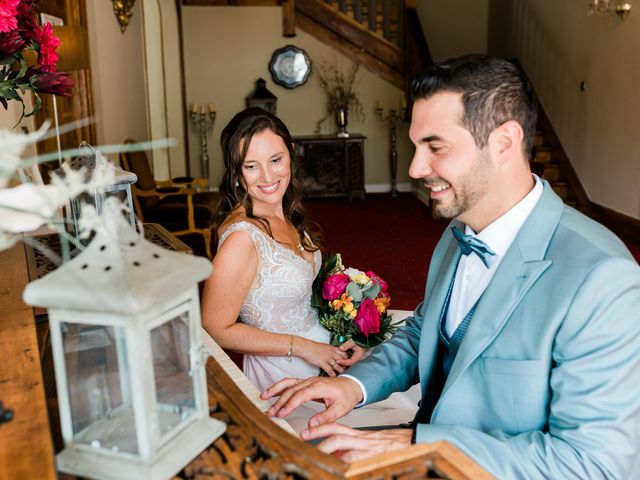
378 281
51 82
8 11
368 317
47 45
334 286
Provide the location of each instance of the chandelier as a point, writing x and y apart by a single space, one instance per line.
609 9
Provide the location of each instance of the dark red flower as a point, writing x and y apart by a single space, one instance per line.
47 45
11 43
27 25
56 83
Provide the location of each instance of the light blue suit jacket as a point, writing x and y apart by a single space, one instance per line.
546 383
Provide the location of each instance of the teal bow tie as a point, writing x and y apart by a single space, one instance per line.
469 243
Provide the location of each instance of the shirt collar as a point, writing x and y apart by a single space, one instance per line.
499 235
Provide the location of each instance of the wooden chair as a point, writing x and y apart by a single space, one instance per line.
177 205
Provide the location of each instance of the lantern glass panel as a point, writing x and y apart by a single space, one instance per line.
175 396
99 386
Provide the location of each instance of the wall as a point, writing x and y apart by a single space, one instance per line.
117 68
227 48
454 28
559 47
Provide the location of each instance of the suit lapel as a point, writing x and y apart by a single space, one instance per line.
429 336
522 265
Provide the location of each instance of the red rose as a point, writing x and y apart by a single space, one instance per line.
334 286
378 281
368 318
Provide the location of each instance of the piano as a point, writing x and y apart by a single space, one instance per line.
253 446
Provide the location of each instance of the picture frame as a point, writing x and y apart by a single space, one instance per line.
290 66
52 19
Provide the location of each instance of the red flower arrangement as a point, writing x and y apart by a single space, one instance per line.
19 33
352 304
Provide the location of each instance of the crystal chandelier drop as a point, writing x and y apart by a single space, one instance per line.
609 9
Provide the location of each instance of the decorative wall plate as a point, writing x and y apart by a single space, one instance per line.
290 66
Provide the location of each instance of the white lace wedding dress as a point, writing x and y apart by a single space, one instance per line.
280 301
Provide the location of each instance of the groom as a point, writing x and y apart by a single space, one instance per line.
527 344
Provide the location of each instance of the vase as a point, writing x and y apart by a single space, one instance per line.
341 113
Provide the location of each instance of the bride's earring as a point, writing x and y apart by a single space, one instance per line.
237 183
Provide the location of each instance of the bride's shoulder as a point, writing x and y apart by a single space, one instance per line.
237 220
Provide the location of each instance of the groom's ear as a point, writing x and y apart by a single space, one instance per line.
505 142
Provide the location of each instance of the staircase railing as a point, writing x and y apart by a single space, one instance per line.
382 17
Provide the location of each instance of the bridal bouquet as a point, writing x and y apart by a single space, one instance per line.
352 304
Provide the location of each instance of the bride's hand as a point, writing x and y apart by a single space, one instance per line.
327 357
357 353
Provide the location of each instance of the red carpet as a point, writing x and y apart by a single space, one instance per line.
394 237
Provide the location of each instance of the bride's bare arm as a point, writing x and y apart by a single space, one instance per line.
235 267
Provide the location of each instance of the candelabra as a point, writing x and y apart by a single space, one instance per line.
393 120
203 118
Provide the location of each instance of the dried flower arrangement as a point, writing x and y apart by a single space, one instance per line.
340 90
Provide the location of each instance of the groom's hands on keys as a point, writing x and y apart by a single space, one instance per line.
339 396
351 445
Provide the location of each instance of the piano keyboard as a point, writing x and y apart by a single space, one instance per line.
241 380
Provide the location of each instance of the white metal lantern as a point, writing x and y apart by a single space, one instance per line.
125 329
91 160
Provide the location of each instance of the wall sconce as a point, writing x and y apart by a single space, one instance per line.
122 11
609 9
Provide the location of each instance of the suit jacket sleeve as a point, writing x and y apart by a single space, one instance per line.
593 428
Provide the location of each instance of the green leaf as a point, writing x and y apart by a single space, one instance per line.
353 290
371 291
4 103
10 60
23 69
36 107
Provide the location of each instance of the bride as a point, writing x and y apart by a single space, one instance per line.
268 256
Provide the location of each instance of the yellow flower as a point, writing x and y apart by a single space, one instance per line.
353 313
360 279
348 307
382 303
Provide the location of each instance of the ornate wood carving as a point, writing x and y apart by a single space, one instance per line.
254 447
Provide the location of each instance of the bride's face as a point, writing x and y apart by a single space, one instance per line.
266 169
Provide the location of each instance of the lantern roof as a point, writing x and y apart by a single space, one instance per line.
119 272
95 160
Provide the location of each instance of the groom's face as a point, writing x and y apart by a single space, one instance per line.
456 172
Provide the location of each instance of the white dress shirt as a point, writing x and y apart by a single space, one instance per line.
472 277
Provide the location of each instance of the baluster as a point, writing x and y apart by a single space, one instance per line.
400 22
372 15
343 6
386 19
357 10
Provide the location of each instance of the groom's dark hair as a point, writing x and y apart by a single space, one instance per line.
493 91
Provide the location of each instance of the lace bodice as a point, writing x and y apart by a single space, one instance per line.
280 299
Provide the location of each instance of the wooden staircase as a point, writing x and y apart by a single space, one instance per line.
383 36
551 163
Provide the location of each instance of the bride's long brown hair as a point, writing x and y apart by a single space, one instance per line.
234 140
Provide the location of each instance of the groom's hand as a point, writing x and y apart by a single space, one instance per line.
351 445
339 396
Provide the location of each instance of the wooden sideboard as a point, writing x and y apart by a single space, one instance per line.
329 166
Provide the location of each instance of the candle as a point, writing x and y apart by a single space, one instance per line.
379 105
193 107
202 107
212 108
